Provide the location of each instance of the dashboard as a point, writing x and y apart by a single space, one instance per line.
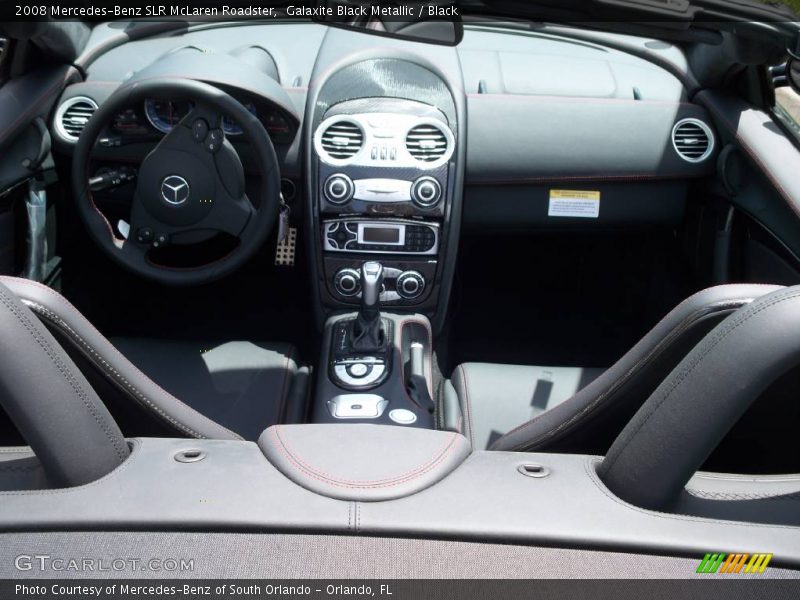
390 148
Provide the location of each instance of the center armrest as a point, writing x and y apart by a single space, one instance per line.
362 461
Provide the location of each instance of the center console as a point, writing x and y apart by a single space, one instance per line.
383 174
378 365
383 188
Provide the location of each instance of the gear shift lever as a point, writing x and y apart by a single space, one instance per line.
368 334
371 281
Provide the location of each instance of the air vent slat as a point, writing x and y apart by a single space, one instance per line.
426 143
342 140
693 140
73 115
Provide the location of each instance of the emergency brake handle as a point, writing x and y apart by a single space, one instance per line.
417 384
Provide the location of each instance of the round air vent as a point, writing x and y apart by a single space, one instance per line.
72 116
341 140
427 143
693 140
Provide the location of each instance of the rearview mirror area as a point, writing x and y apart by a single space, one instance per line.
424 22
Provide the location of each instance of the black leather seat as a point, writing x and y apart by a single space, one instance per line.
572 409
228 390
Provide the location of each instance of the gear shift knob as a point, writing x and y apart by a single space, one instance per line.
367 334
371 282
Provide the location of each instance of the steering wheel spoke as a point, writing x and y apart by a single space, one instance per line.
229 215
134 253
202 110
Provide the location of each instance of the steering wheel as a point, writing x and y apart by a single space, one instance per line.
189 187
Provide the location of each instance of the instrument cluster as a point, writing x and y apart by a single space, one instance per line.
157 116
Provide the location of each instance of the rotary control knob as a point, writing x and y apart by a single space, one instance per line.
339 189
410 285
347 282
426 192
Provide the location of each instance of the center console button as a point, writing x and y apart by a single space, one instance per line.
199 130
357 406
338 189
410 284
347 282
402 416
343 375
426 192
358 370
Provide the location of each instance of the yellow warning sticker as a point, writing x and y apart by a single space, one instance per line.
574 203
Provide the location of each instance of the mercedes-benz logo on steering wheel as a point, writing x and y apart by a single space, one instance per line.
175 189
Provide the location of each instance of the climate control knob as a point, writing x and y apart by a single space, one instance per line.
339 189
410 285
426 192
347 282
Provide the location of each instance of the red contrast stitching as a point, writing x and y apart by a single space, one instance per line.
439 456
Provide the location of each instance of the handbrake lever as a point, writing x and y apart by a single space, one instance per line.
417 384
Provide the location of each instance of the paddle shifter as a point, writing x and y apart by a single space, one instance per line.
368 334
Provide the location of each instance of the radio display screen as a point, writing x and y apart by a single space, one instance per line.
381 235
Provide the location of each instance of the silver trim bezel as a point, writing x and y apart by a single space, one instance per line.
434 251
62 109
395 133
706 129
421 284
417 183
402 188
352 273
324 156
349 191
371 400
